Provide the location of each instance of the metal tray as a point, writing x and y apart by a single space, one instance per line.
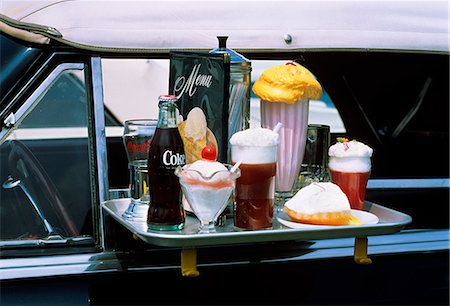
390 221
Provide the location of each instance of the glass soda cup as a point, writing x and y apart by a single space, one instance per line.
349 166
256 150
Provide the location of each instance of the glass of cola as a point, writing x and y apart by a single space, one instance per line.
137 136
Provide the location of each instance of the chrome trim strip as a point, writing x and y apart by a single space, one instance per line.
408 183
25 107
407 241
100 140
61 133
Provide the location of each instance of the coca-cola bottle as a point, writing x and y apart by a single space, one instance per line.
166 152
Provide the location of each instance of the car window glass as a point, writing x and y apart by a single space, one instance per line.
44 166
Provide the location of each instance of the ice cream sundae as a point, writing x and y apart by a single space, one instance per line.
207 185
319 203
285 91
349 165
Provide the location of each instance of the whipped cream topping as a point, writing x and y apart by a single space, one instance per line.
351 156
255 137
254 146
207 168
319 198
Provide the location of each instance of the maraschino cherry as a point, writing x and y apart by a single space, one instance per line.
209 153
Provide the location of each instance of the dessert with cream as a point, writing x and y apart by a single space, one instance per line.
207 186
350 165
285 91
319 203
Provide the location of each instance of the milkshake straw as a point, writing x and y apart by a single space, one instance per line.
277 127
236 165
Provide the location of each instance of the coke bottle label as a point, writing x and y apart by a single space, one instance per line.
173 159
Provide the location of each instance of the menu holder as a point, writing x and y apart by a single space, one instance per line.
201 79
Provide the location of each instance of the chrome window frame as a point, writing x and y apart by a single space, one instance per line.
416 183
97 136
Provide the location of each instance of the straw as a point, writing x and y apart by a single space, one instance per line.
277 127
236 165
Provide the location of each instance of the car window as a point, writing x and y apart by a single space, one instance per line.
44 164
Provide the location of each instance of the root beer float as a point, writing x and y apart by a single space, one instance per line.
256 149
350 165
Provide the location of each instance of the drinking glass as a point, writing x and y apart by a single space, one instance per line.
207 195
255 189
294 120
315 161
350 166
137 136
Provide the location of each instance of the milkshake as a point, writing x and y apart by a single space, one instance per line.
349 165
285 92
256 149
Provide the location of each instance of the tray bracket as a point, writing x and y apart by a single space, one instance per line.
189 262
360 253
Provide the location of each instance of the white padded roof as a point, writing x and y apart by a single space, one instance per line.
402 25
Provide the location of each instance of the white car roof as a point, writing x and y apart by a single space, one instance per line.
255 25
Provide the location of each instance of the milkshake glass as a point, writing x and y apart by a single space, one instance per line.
285 91
350 165
291 148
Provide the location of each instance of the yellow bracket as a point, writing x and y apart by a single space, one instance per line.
189 262
360 254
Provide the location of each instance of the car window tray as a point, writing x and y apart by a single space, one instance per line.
390 221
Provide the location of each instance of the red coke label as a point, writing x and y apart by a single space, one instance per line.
138 148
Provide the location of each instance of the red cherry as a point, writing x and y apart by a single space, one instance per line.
290 63
209 153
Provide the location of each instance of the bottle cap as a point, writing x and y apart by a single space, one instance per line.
167 98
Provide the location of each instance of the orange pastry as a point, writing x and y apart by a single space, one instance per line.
319 203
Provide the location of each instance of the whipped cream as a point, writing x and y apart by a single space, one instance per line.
254 146
255 137
351 156
207 168
319 198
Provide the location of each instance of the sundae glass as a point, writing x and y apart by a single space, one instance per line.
207 185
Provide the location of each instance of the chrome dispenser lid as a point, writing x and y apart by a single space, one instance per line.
234 56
